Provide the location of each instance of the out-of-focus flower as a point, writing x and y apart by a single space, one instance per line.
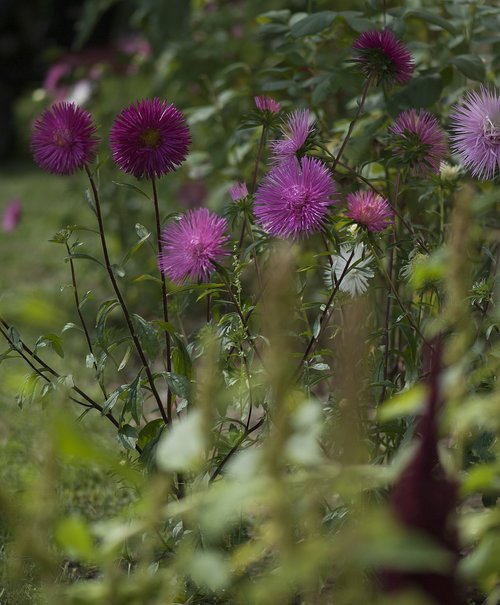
192 245
355 265
11 215
296 130
293 199
192 193
369 209
424 499
382 57
149 138
238 191
418 142
267 104
475 125
63 139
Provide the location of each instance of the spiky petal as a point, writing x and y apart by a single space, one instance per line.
63 139
382 57
238 191
475 125
296 130
370 210
293 199
191 246
418 142
149 138
265 103
354 266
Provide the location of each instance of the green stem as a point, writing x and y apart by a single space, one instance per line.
120 298
164 296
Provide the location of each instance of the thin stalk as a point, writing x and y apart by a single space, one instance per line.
164 297
352 124
260 150
325 315
80 315
120 298
27 353
240 314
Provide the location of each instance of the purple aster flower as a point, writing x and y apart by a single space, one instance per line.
293 199
238 191
191 246
475 135
296 131
381 56
63 139
369 209
149 138
267 104
11 215
418 142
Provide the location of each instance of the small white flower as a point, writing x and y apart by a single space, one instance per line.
448 172
355 280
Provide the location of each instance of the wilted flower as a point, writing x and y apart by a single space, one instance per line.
381 56
296 131
475 126
238 191
418 142
149 138
359 271
267 104
11 215
191 246
369 209
63 139
293 199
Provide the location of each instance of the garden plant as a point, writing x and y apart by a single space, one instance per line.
283 344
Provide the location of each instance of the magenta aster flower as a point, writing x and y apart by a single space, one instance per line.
475 135
369 209
381 56
63 139
238 191
418 142
149 138
296 131
293 199
191 246
267 104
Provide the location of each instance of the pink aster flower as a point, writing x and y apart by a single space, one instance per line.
475 135
381 56
191 246
63 139
296 131
418 142
267 104
11 215
369 209
238 191
149 138
293 199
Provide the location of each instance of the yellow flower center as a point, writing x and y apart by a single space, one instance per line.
151 138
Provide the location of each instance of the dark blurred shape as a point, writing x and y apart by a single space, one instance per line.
424 500
192 194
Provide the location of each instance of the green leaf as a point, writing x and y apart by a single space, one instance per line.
102 316
150 431
135 248
313 24
425 15
110 402
178 384
73 536
52 341
15 339
132 187
128 436
147 335
471 66
403 404
422 91
134 400
85 256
